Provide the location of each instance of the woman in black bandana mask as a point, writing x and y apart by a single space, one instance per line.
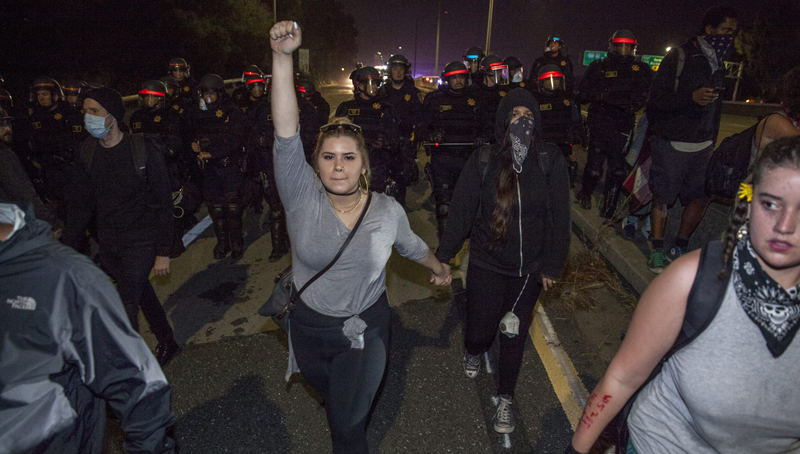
512 201
734 387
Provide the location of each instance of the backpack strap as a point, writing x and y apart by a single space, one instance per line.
681 64
139 155
483 163
87 153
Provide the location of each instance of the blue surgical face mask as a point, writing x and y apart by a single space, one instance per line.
96 126
517 78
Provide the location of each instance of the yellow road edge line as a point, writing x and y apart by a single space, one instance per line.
557 370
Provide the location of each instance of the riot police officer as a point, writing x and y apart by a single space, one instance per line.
554 54
164 126
19 140
359 65
241 94
406 99
561 117
322 110
492 87
377 121
617 88
73 91
516 75
56 130
217 140
472 60
181 72
453 123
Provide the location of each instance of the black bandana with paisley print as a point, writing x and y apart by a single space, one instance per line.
774 310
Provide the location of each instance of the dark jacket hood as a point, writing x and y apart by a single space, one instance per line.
512 99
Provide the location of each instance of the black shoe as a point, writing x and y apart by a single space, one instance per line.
585 201
165 351
221 250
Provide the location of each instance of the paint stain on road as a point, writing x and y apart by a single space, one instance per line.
239 321
221 295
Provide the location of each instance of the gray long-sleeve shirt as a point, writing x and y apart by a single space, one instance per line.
358 278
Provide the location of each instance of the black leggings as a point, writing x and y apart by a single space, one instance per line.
489 296
347 378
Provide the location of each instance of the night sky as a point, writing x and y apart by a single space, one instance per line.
520 27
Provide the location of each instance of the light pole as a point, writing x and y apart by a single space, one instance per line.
489 27
438 25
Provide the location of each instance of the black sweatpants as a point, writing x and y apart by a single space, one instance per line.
345 377
489 296
130 267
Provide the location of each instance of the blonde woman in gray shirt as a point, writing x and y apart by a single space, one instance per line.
339 331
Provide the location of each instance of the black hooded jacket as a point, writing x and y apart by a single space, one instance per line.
539 223
68 348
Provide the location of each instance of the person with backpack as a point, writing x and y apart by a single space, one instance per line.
122 180
727 380
786 121
684 111
512 200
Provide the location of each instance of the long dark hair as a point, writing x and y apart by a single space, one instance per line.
780 153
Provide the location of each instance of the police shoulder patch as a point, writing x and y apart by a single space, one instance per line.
611 74
407 97
544 107
58 116
353 112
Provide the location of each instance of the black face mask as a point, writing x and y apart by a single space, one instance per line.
521 134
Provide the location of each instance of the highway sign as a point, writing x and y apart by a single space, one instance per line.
653 60
591 55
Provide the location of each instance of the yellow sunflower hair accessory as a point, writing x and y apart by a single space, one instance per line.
745 192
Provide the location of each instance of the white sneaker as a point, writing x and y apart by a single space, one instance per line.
472 364
504 417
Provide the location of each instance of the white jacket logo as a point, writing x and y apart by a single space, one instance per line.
25 303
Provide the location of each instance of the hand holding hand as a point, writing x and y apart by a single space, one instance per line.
285 37
704 96
161 267
443 277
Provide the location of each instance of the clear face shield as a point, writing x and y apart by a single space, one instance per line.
179 72
72 96
369 86
151 101
500 75
624 47
472 62
256 89
551 82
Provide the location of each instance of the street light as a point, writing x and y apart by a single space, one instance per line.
669 48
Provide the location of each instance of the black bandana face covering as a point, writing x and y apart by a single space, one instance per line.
774 310
521 134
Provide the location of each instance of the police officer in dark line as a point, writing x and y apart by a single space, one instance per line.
472 60
164 125
554 54
359 65
492 87
561 117
174 99
322 110
121 179
242 93
617 88
19 141
379 128
56 129
451 115
181 71
72 93
260 138
406 99
516 76
217 136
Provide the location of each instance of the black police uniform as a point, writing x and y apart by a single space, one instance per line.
219 130
322 110
562 61
187 91
449 117
407 104
560 116
55 135
490 98
379 128
616 87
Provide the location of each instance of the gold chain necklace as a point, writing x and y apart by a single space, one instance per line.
345 210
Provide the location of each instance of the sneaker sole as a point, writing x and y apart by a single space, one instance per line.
471 374
503 430
656 270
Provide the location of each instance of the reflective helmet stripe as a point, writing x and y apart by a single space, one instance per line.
623 41
550 74
497 66
301 89
255 81
458 71
145 91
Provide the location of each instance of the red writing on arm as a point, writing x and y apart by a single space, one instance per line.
594 407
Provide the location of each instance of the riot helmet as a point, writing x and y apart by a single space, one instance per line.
550 79
6 101
622 43
553 43
211 88
455 74
153 94
172 85
256 85
179 69
306 88
472 58
494 71
366 81
73 91
251 70
401 63
45 92
515 70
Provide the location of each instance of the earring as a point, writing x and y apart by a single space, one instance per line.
742 232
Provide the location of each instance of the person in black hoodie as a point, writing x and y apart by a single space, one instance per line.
512 201
69 351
